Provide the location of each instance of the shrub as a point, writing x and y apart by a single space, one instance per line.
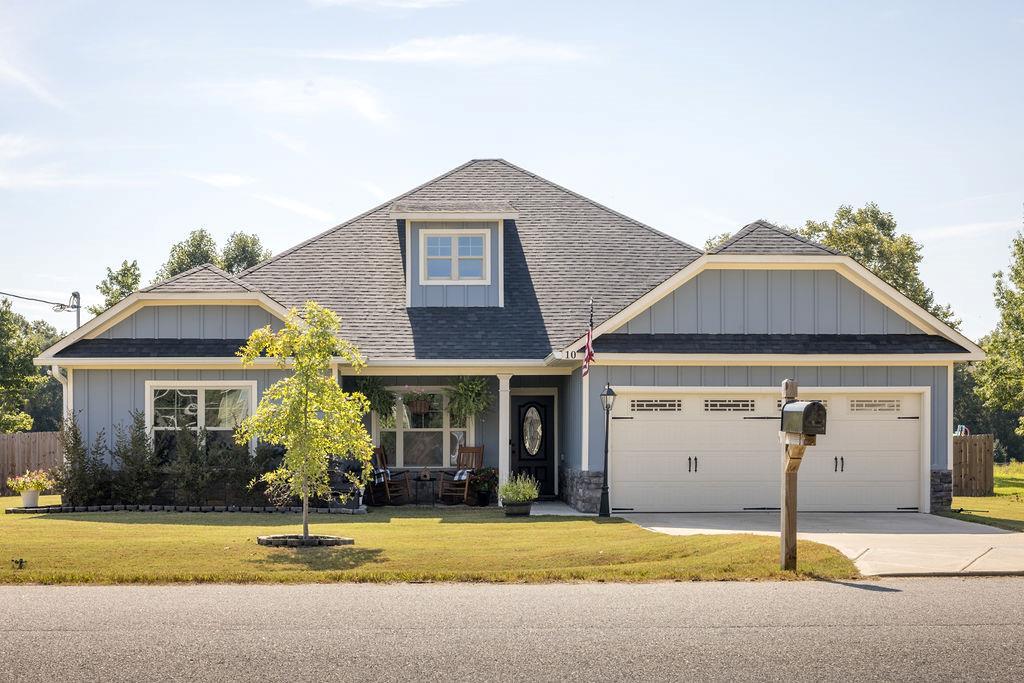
484 480
188 471
138 474
232 467
33 480
519 489
84 476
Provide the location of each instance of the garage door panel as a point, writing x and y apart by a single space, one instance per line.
688 457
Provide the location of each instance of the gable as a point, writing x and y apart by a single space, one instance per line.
755 301
191 322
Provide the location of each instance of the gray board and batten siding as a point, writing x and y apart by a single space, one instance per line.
192 322
769 302
453 295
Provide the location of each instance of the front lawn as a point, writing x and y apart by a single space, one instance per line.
392 544
1005 509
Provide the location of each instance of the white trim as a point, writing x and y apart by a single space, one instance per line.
133 302
71 391
585 422
763 359
846 266
408 263
950 424
501 263
446 429
152 385
416 367
454 258
545 391
454 216
140 362
504 427
925 409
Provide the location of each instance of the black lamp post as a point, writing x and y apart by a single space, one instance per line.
607 401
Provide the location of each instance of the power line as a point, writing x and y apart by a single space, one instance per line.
73 304
55 304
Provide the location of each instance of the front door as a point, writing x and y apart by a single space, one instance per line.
533 441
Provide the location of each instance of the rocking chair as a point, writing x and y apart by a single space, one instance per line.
454 488
387 487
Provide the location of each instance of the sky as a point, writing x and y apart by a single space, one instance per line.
124 125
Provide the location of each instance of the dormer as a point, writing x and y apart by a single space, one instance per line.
454 251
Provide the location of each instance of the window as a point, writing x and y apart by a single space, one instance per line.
455 257
217 407
421 433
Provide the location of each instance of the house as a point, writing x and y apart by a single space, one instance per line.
488 270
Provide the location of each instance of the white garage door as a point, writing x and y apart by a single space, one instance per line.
720 452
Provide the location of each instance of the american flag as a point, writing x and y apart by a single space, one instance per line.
588 354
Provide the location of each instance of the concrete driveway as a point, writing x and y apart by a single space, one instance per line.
879 543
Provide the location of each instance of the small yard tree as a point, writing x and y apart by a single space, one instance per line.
307 412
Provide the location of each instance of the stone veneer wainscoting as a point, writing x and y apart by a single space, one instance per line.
942 490
580 490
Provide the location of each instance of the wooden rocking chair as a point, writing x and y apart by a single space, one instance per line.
468 460
387 487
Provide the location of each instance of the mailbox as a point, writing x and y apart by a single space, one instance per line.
803 417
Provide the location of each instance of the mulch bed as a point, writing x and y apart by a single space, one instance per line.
53 509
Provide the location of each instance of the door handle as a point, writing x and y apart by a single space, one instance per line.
835 464
689 464
695 463
842 464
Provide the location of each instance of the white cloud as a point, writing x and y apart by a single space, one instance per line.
223 180
17 146
12 75
472 50
300 97
376 190
386 4
295 207
54 176
964 230
289 142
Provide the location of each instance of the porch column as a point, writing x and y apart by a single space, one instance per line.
504 407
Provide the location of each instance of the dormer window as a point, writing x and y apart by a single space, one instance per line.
455 257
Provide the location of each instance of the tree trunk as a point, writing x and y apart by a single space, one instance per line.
305 512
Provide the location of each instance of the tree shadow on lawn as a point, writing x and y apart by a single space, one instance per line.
338 558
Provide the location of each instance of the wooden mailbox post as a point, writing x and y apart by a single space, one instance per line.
801 422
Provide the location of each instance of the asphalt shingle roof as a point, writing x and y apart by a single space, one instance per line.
761 237
561 251
204 278
775 343
442 206
152 348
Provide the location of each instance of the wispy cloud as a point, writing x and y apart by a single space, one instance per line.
55 176
223 180
471 49
17 77
386 4
965 230
300 97
295 207
17 146
289 142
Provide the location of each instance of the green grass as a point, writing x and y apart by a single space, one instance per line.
394 544
1005 509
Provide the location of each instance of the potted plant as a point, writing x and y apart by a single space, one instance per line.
417 403
469 396
29 485
483 482
382 399
517 494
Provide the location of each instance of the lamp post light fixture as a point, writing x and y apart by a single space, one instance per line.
607 401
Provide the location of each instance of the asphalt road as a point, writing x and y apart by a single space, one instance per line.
911 629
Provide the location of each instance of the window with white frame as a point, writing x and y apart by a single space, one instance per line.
455 256
218 408
420 432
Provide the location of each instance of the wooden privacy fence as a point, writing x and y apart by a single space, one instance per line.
972 465
26 451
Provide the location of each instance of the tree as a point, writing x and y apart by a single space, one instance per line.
19 378
969 409
1001 375
869 235
307 412
117 285
716 240
46 402
195 250
242 251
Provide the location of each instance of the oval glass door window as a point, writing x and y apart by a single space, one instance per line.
533 430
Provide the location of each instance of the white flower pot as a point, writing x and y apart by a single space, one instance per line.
29 499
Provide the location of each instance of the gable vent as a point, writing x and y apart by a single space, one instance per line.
656 405
728 405
875 405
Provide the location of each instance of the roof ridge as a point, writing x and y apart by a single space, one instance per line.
216 270
762 223
590 201
795 234
174 278
339 226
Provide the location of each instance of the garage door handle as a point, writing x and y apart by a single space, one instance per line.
842 464
689 464
835 464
